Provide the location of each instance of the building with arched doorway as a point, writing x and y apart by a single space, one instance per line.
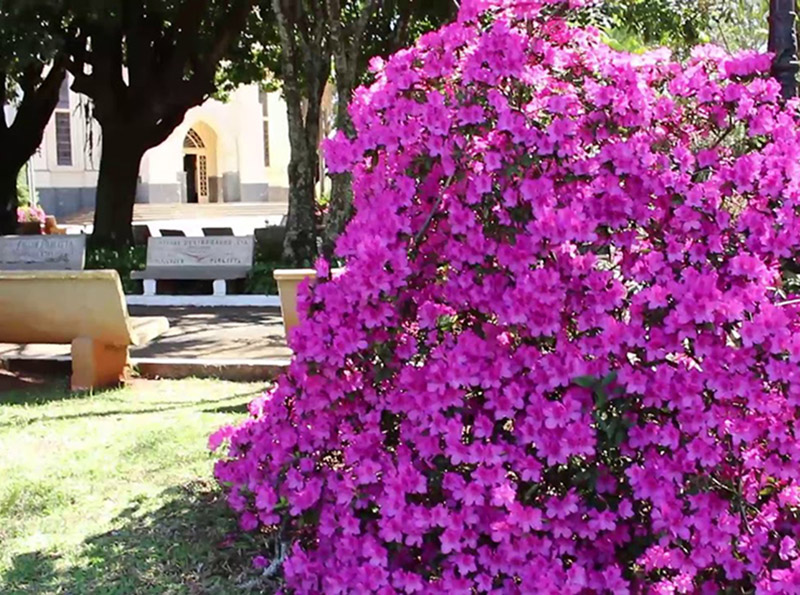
199 152
232 151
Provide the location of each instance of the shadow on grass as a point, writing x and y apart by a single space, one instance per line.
242 408
164 407
189 545
20 390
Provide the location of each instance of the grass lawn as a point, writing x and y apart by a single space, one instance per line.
113 493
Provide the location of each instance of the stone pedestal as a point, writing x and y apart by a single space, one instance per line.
98 365
220 287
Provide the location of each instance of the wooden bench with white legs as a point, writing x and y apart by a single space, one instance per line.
85 309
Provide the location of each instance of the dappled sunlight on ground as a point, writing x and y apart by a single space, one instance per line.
112 491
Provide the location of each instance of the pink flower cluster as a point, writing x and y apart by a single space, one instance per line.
30 214
556 362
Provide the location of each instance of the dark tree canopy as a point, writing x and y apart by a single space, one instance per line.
682 24
392 25
150 58
143 64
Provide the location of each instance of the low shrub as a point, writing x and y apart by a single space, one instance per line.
269 246
556 362
124 262
260 280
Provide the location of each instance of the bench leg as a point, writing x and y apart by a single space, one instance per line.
220 287
98 365
149 286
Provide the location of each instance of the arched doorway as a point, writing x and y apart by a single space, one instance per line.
195 166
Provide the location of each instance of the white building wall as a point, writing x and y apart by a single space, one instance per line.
277 172
232 131
248 122
69 188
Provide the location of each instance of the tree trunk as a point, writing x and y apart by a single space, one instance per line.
8 200
300 245
340 209
346 53
120 160
297 38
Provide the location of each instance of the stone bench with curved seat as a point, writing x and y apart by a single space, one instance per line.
84 309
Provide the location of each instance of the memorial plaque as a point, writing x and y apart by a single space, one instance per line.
221 251
42 253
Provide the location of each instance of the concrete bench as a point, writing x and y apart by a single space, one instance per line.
42 253
85 309
218 259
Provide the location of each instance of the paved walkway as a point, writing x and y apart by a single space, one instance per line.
235 334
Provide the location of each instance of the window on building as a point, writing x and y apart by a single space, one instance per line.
63 139
63 95
63 127
265 125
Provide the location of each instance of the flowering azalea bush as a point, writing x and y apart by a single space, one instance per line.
557 361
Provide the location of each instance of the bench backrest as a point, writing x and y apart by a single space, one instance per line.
211 232
42 253
57 307
141 233
200 253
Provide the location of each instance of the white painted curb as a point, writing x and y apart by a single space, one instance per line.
206 301
200 361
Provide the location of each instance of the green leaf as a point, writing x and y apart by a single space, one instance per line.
609 378
601 398
586 381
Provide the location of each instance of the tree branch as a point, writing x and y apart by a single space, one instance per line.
140 43
231 27
3 83
186 25
165 127
30 77
286 34
77 57
35 110
302 30
360 27
337 36
401 29
347 53
81 82
319 69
